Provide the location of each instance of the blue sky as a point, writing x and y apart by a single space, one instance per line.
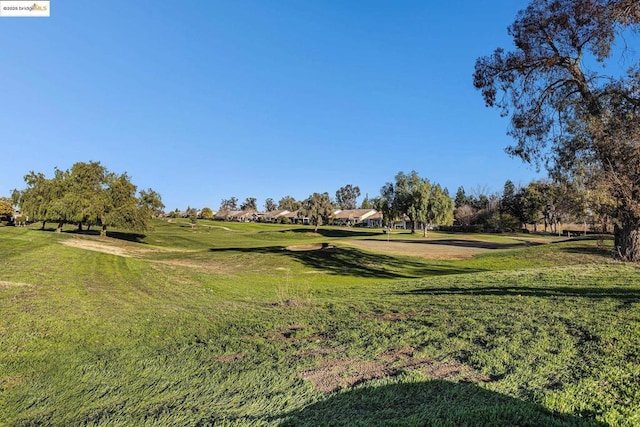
207 100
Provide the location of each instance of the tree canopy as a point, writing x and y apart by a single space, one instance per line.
565 113
85 194
420 200
230 204
347 196
6 208
289 203
318 208
249 204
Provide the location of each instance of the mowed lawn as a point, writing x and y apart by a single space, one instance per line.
249 324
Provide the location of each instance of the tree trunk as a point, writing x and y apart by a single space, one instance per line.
424 227
59 227
43 224
103 231
627 241
79 226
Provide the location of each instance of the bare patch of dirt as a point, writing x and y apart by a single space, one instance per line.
96 246
451 370
6 284
7 383
316 352
395 355
335 374
228 358
387 317
112 246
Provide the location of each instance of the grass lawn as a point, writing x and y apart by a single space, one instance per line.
250 324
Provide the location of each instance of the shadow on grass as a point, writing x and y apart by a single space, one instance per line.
629 295
589 250
346 232
476 244
430 403
120 235
354 262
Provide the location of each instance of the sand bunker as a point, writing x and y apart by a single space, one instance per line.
311 247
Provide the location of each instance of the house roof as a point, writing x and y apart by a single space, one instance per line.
275 214
356 214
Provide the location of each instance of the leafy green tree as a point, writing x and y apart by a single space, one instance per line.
85 194
192 215
152 202
206 213
439 207
230 204
37 198
386 204
270 205
249 204
508 200
530 204
366 203
6 208
563 110
461 197
418 199
346 197
318 208
121 207
289 203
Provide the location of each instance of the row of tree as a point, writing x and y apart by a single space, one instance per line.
540 202
346 198
410 196
87 195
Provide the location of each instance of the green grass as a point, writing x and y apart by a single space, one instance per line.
215 326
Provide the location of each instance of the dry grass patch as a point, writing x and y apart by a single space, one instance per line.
387 317
228 358
335 374
331 375
6 284
417 248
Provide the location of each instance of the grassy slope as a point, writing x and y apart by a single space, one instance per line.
215 326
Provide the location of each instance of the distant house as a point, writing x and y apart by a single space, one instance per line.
404 223
374 221
295 219
274 216
353 217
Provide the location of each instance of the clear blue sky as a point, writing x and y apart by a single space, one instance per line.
204 100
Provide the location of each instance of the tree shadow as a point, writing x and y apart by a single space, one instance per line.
348 261
429 403
625 294
128 236
337 232
589 250
476 244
